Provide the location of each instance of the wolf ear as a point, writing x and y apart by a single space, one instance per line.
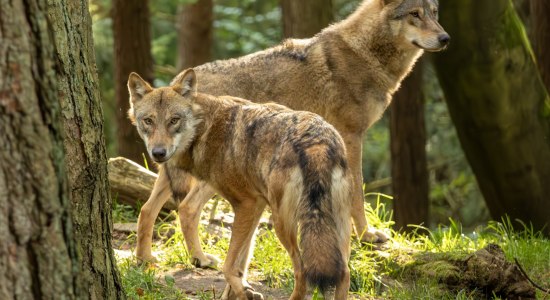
137 87
185 83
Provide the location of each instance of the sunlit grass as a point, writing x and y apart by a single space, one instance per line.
146 282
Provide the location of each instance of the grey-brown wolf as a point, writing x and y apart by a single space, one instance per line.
347 74
253 155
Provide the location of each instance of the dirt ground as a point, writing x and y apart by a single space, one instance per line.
196 282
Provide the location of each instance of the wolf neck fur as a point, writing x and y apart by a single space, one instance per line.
367 33
202 111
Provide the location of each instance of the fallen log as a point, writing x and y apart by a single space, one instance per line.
132 184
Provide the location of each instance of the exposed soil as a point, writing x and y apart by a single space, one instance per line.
196 282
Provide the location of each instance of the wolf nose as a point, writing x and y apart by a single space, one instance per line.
159 153
444 39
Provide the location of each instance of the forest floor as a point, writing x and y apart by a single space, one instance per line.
194 283
445 264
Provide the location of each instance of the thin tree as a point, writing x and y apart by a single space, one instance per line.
408 153
540 32
195 33
497 103
54 201
305 18
132 43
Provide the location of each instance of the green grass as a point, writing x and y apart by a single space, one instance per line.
375 274
123 213
144 282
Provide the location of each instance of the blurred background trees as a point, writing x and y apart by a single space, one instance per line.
428 173
303 19
195 33
132 53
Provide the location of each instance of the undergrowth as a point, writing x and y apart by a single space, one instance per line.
375 273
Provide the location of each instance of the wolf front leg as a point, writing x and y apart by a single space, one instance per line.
148 214
189 212
354 154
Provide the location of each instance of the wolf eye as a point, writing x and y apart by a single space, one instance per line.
435 12
148 121
415 14
174 121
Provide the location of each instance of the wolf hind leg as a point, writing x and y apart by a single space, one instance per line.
247 217
287 234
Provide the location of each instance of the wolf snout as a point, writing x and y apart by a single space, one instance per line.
444 39
159 154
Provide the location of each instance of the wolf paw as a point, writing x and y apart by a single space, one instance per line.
252 295
147 259
249 293
374 236
209 262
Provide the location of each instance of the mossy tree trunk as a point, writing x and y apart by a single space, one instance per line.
132 43
497 103
195 33
305 18
54 202
408 153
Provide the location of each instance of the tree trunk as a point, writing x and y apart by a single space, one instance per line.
54 205
132 42
540 14
195 34
496 100
408 153
305 18
86 160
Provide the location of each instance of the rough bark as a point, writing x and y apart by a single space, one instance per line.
86 161
540 32
54 208
408 153
305 18
132 42
132 184
195 34
497 102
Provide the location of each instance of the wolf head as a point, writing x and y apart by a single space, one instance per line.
165 117
415 23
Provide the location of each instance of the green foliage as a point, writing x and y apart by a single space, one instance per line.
123 213
244 27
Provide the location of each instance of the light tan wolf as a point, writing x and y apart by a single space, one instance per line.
253 155
347 74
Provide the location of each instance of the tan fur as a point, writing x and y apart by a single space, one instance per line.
254 155
347 74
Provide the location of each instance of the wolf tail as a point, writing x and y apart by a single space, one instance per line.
324 219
